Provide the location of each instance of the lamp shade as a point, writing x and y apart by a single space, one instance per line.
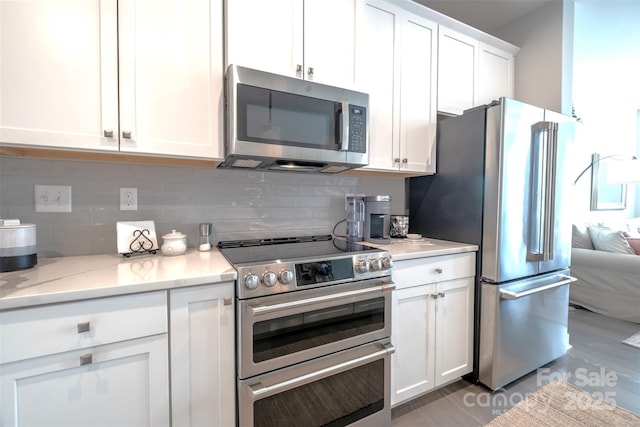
623 171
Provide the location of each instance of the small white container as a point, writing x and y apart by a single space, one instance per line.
175 243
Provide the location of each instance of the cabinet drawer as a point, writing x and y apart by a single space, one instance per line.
39 331
421 271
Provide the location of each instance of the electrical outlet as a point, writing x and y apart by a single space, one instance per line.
52 198
128 199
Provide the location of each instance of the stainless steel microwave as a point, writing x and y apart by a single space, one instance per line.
281 123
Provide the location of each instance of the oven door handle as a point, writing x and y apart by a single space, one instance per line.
258 310
259 390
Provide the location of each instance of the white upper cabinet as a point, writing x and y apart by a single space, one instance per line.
171 77
473 70
457 71
397 66
59 75
309 39
137 76
496 73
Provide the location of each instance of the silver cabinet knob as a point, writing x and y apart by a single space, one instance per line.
298 68
396 160
441 294
269 278
228 301
126 134
86 359
108 134
405 160
439 270
310 71
434 296
84 327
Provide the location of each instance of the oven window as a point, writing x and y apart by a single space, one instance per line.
269 116
337 400
291 334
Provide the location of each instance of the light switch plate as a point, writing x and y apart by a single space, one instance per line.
52 198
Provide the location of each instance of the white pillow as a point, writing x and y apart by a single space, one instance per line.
609 241
580 237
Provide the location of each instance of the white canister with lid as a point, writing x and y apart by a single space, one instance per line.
175 243
17 245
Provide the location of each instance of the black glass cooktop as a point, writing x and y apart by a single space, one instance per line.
288 248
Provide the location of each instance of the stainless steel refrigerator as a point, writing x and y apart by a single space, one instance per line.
502 183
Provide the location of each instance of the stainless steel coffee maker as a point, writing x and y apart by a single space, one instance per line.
377 219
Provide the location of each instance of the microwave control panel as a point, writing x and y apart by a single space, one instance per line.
357 129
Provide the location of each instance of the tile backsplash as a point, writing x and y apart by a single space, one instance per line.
238 203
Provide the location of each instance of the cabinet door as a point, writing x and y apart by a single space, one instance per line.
454 330
124 384
496 74
413 329
58 73
330 40
457 71
266 35
418 95
171 77
202 355
378 74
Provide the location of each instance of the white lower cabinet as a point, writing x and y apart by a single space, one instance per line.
432 323
109 361
104 363
202 355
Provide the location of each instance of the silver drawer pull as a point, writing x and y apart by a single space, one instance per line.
126 134
86 359
84 327
509 295
108 134
228 301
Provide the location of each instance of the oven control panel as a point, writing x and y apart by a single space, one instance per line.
279 277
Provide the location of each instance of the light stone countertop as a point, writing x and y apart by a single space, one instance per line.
404 249
72 278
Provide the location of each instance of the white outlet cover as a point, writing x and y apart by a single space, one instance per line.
128 199
52 198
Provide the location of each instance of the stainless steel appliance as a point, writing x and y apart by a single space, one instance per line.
501 184
313 331
281 123
355 217
377 219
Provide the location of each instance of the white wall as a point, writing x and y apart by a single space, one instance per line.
607 88
240 204
543 75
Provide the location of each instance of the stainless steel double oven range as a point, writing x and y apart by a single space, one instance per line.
312 332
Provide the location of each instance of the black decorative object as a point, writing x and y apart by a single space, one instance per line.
141 243
136 237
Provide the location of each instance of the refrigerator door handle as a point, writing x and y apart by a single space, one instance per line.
517 295
543 193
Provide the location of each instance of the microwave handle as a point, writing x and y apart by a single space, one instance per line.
344 126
